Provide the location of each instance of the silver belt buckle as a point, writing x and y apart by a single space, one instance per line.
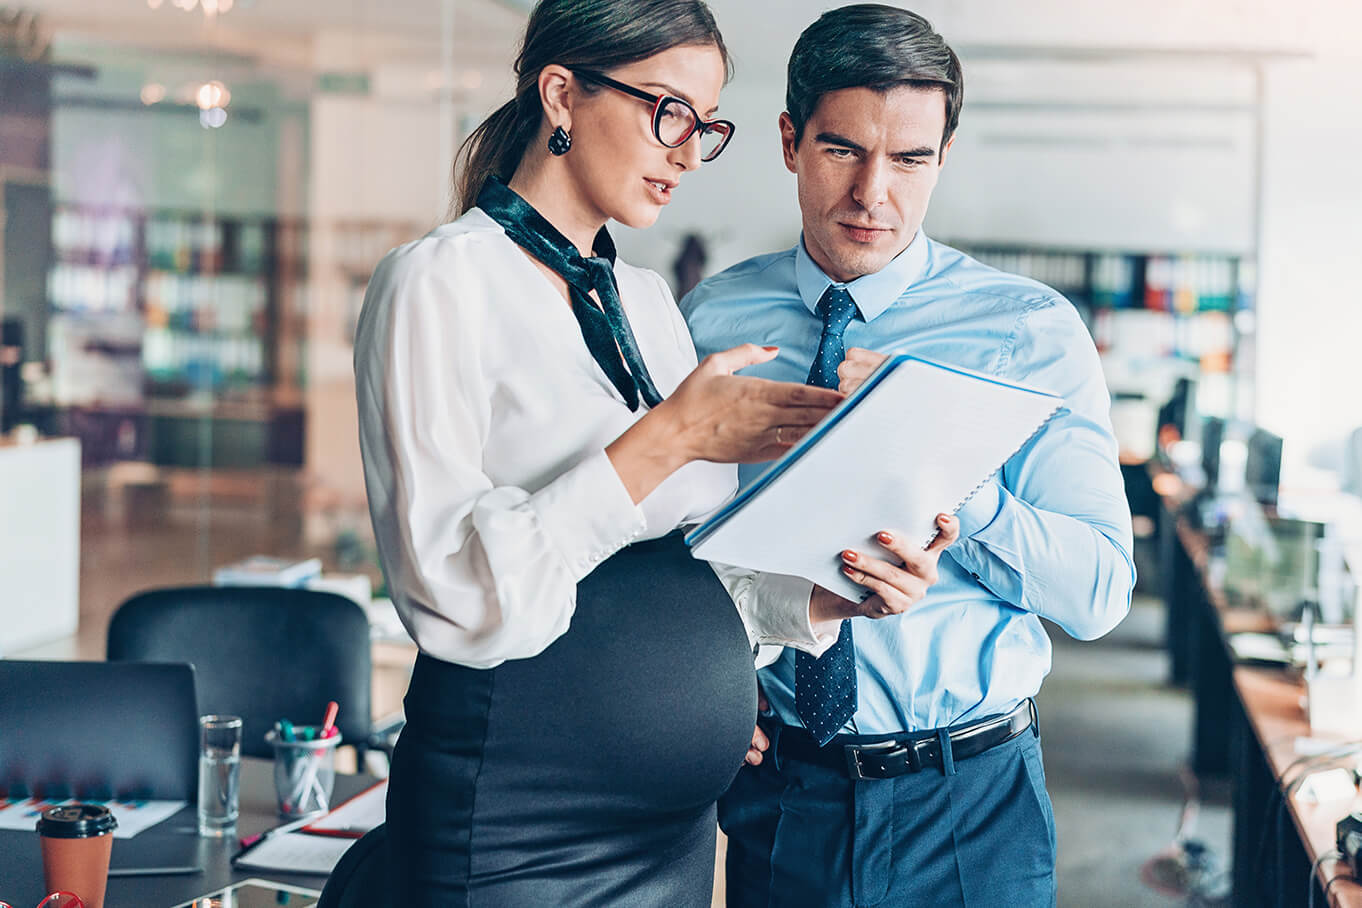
853 754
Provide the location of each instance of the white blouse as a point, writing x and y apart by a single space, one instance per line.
483 427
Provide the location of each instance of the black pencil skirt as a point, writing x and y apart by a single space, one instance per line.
586 775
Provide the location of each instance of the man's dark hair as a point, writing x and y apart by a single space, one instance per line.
872 46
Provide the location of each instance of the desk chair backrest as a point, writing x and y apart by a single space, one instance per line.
262 653
97 730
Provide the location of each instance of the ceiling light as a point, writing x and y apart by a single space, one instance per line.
211 8
212 94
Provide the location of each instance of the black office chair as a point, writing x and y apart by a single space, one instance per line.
98 730
360 879
262 653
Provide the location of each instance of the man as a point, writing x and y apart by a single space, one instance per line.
922 784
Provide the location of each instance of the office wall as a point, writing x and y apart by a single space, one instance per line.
1310 326
110 150
381 154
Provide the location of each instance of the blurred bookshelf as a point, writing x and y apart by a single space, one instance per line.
161 320
1155 316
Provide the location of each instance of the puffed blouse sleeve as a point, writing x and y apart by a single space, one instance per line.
479 573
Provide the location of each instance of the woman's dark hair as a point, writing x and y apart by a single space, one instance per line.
872 46
592 34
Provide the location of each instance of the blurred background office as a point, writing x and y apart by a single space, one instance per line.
195 191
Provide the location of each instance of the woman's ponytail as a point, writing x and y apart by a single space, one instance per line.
493 149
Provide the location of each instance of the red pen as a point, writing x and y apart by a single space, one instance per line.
329 725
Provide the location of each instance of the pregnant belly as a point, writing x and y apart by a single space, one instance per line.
648 701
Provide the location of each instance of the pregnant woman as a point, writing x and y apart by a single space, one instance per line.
534 428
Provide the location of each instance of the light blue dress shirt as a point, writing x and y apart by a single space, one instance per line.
1049 537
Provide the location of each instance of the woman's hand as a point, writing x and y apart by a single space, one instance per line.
727 418
760 743
856 368
721 417
895 586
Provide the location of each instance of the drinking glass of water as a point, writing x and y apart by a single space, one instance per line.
219 774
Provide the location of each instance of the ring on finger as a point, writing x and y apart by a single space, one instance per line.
779 440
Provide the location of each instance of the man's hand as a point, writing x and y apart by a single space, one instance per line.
759 740
896 586
856 368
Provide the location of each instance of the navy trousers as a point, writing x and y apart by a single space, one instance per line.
977 834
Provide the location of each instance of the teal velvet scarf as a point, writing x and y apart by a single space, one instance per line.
605 328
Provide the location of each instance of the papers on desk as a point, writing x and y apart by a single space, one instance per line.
915 440
266 570
296 852
132 816
318 845
356 816
384 624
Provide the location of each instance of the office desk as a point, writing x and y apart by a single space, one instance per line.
39 542
1247 723
1274 852
21 875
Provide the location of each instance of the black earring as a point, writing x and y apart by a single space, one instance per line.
560 141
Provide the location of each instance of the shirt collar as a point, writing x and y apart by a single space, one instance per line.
873 293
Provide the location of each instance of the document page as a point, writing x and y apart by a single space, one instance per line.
356 816
295 851
917 439
132 816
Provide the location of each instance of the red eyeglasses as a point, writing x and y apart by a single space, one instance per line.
674 119
56 900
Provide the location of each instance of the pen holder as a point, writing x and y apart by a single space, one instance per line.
304 773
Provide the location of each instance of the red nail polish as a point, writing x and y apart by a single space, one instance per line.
850 556
886 538
848 571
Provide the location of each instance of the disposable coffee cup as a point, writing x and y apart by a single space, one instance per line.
77 840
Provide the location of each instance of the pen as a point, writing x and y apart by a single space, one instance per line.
348 831
156 871
251 841
332 709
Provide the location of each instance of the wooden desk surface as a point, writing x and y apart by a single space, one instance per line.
1275 709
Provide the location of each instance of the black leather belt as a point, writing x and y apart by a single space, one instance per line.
911 753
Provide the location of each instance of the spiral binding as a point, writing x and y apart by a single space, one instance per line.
994 472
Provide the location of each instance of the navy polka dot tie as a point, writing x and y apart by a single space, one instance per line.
825 688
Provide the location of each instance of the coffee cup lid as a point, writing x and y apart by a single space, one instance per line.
76 821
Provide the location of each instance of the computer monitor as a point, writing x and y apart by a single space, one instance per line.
1180 410
98 730
1212 434
1263 465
